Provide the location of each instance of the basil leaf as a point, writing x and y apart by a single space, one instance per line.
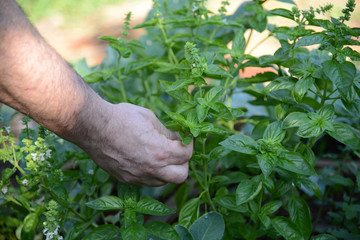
286 228
103 232
247 190
153 207
210 226
300 214
240 143
342 75
106 203
162 230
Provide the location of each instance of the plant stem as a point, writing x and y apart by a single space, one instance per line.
323 97
259 43
122 89
248 40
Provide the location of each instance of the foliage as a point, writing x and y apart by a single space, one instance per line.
38 9
255 174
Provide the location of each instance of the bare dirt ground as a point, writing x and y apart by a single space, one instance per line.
79 40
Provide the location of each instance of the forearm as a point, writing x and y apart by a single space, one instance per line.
35 80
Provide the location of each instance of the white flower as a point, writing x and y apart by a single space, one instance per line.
4 189
91 172
41 157
25 182
34 155
7 129
48 153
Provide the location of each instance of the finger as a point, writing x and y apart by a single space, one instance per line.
174 173
164 131
177 152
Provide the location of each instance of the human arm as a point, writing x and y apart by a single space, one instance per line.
127 141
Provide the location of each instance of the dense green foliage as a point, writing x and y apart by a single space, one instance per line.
38 9
276 154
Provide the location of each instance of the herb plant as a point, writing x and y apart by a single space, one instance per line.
289 169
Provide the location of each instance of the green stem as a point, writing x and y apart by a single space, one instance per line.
27 129
248 40
323 97
16 164
122 88
259 43
196 176
312 141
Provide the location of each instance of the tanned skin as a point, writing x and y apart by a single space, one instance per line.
127 141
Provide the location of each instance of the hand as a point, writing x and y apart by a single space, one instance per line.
135 147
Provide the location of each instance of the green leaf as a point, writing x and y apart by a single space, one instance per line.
240 143
239 44
210 226
295 119
323 237
247 190
229 202
76 230
274 133
106 203
346 134
7 173
302 86
59 194
315 38
300 214
202 112
271 207
294 162
261 77
267 163
188 212
178 118
153 207
287 228
310 185
182 195
279 84
327 112
213 94
183 233
134 231
282 12
162 230
338 179
217 72
342 75
207 127
28 229
280 111
287 1
358 179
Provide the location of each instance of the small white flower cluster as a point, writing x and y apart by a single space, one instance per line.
25 182
8 129
4 189
52 235
41 156
91 172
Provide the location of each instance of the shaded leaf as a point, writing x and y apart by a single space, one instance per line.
210 226
286 228
103 232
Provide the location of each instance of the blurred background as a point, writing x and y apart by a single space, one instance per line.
73 27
